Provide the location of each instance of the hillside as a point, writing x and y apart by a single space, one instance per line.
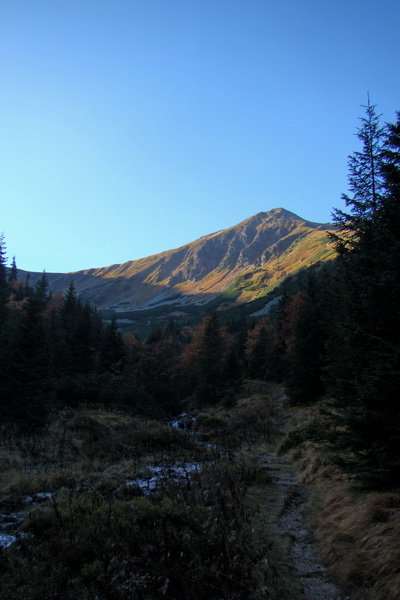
243 261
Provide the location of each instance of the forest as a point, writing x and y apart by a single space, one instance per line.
332 340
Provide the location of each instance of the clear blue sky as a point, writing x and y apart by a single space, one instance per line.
128 127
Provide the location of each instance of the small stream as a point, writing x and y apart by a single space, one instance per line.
10 522
149 479
155 478
185 421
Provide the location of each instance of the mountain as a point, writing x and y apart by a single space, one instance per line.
243 262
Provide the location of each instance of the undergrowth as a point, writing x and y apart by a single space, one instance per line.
96 537
193 540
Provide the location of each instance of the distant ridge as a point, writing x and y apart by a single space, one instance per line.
260 250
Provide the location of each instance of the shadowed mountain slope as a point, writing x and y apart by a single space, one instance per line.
241 261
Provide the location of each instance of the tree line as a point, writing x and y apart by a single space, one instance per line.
336 336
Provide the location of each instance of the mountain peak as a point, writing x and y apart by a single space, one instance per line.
278 212
271 243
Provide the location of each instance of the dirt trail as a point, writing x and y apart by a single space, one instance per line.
291 523
288 516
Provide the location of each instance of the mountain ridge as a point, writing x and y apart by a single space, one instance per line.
273 243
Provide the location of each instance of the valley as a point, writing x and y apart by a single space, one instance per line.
204 423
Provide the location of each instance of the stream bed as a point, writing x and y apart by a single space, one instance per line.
151 478
155 477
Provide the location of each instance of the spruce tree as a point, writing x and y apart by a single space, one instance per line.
210 362
365 183
113 353
258 350
13 272
30 396
70 312
363 349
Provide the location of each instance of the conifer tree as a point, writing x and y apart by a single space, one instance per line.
31 391
210 361
155 389
277 362
13 272
233 367
258 350
71 303
363 349
70 312
113 348
365 182
306 343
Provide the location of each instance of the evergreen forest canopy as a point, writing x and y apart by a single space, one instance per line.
336 335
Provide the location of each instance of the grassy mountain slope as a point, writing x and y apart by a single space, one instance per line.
243 261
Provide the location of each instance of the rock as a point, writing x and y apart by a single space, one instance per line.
6 540
42 496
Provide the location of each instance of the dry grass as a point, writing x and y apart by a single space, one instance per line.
249 421
359 537
358 533
99 538
85 447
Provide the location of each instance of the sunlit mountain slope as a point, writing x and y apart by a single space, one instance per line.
242 261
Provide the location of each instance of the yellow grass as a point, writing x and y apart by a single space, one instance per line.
358 533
